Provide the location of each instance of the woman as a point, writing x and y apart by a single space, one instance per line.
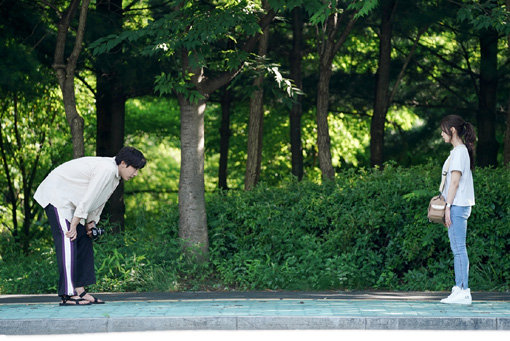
459 194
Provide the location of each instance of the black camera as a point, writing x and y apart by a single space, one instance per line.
96 232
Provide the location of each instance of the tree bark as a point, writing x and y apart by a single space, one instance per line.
110 109
226 102
256 124
296 112
506 152
65 71
487 148
328 45
382 85
323 138
110 106
192 213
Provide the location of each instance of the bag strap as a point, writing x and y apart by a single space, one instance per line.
443 176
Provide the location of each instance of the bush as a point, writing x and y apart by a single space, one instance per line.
367 230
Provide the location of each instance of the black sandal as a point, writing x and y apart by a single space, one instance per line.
95 301
66 298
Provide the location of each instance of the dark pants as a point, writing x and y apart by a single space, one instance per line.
75 258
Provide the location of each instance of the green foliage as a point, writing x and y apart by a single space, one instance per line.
486 14
368 229
30 123
319 11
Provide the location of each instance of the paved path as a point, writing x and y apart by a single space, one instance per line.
40 314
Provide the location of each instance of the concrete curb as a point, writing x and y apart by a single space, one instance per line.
321 295
138 324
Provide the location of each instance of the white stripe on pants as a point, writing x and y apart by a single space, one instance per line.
65 216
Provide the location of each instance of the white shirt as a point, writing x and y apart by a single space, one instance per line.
459 161
82 185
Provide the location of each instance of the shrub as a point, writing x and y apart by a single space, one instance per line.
366 230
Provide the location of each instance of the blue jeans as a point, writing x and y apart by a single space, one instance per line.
457 234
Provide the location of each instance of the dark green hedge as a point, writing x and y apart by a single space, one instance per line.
367 230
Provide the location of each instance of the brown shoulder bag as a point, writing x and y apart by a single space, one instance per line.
437 205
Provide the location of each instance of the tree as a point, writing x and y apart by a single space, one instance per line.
192 35
506 153
27 123
488 18
487 147
120 75
110 99
226 104
256 122
332 34
65 68
296 112
388 8
383 96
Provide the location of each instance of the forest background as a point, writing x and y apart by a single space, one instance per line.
291 145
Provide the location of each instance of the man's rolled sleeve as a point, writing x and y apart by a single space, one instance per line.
96 186
95 215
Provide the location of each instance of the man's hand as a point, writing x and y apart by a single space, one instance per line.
89 227
72 234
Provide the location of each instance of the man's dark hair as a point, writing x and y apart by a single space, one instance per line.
131 157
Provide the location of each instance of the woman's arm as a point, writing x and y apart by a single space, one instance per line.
452 190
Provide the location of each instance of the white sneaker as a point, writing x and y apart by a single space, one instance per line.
458 296
455 291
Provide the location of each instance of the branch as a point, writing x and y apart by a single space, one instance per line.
443 59
264 22
63 27
460 96
129 8
471 73
50 5
73 58
9 184
404 67
91 89
343 37
210 85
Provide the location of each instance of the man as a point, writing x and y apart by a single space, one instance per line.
73 196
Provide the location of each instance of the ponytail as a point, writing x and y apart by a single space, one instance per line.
466 132
469 138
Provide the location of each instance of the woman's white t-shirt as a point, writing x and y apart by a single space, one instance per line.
459 161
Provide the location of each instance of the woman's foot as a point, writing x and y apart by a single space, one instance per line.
458 296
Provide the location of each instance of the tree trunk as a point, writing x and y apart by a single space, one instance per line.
323 138
110 106
506 153
296 111
382 86
226 101
192 213
65 70
328 45
75 121
110 111
487 148
256 124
